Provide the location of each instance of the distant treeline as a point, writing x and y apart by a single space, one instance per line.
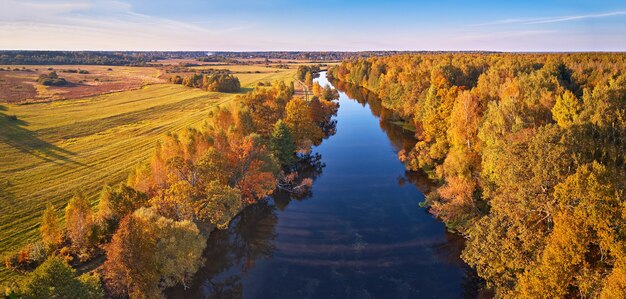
77 57
210 82
317 55
140 58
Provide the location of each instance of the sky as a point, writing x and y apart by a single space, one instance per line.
322 25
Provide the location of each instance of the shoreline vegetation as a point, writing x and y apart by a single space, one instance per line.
528 153
149 233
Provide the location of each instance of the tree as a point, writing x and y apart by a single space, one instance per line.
308 79
566 110
150 252
220 204
79 222
301 124
51 233
316 89
56 279
130 268
329 93
252 169
117 202
282 144
174 202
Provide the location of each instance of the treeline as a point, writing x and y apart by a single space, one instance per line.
222 82
529 150
314 55
75 57
153 228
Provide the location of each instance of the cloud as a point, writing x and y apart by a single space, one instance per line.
546 20
101 24
575 18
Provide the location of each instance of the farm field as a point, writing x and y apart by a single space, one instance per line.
54 147
18 83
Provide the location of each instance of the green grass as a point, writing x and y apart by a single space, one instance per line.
56 148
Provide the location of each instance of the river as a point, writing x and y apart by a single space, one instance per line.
359 233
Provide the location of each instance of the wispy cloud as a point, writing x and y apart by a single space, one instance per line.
100 24
556 19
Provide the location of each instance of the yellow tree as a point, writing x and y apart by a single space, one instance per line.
150 252
301 124
566 109
50 231
308 79
79 222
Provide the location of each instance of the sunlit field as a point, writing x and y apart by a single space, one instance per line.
55 148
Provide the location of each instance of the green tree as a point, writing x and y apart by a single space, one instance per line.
282 144
56 279
116 202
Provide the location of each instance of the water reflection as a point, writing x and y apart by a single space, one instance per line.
250 237
231 253
309 166
399 137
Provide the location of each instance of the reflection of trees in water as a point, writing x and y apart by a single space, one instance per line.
418 179
399 137
309 166
230 287
249 238
329 128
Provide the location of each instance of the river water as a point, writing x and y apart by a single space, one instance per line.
359 233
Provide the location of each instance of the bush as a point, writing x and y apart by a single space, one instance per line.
56 279
51 79
83 72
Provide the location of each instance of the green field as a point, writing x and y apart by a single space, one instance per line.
56 148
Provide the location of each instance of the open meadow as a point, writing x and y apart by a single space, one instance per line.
50 149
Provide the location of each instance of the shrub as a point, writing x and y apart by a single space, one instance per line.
51 79
56 279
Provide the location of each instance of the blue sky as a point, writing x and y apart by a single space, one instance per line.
246 25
